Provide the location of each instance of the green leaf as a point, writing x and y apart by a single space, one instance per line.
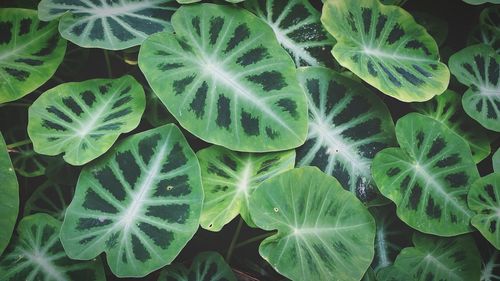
436 258
496 161
226 79
490 16
84 119
348 125
369 275
478 68
428 177
392 273
140 203
9 201
25 160
479 2
323 230
488 30
112 25
298 28
206 266
229 179
37 254
490 270
30 52
484 200
385 47
50 198
447 109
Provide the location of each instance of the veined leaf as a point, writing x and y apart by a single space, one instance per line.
84 119
140 203
478 67
25 160
485 34
490 269
392 273
194 1
112 25
37 254
484 200
9 200
491 16
206 266
369 275
348 125
229 179
385 47
323 230
447 109
298 28
50 198
428 177
226 79
479 2
30 52
496 161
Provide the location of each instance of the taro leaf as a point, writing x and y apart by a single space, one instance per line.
112 25
478 67
323 230
84 119
447 109
37 254
484 199
393 2
298 28
194 1
50 198
9 199
393 273
140 203
206 266
437 258
496 161
348 125
385 47
479 2
229 179
437 27
428 177
226 79
156 113
26 162
490 270
30 52
491 16
369 275
485 34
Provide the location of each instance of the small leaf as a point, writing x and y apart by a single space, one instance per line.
84 119
50 198
9 199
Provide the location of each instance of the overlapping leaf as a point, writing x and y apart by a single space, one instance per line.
229 179
37 254
323 230
140 203
9 201
50 198
348 125
385 47
478 67
25 160
30 52
496 161
112 25
479 2
84 119
428 177
226 79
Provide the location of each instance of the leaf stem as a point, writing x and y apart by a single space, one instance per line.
108 64
253 239
18 143
233 241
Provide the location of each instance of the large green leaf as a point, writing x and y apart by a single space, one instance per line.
50 198
226 79
112 25
447 109
348 125
444 259
229 179
496 161
30 52
478 67
206 266
323 230
140 203
428 177
484 200
84 119
37 254
298 28
9 199
479 2
385 47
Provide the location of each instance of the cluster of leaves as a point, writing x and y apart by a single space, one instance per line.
276 111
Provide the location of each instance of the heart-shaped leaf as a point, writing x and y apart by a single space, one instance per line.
386 47
348 125
323 230
50 198
37 254
447 109
229 179
428 177
30 52
226 79
84 119
112 25
478 67
206 266
140 203
9 201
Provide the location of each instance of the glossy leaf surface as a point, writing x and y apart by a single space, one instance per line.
9 201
